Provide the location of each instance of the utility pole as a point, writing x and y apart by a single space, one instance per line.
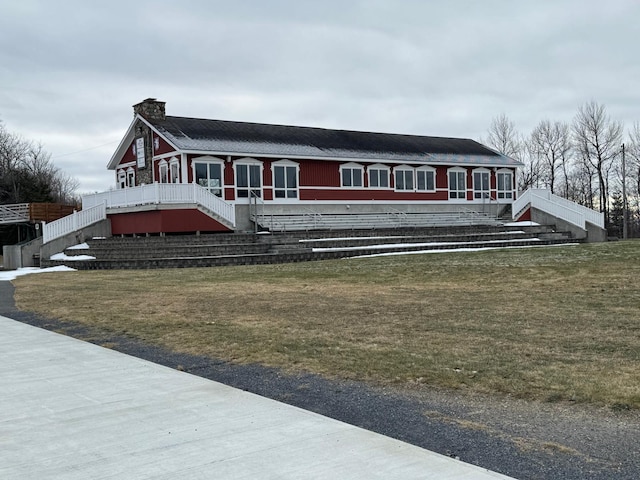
624 196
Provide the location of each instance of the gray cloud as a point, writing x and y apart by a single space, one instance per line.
70 70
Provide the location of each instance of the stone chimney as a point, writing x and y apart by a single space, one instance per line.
150 109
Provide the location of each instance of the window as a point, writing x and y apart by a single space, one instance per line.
505 184
403 178
481 188
208 174
285 179
131 177
351 174
248 179
425 179
163 172
378 176
174 170
457 184
122 179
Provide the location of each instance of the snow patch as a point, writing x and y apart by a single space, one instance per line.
70 258
13 274
80 246
525 223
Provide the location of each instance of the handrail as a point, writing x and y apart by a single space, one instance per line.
399 215
163 193
253 209
487 196
559 207
315 216
74 222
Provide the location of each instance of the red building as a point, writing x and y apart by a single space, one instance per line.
247 172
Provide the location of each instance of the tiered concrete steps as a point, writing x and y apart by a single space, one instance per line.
244 249
377 221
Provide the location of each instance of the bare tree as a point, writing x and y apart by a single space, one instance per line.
633 157
27 173
597 140
551 144
505 139
633 177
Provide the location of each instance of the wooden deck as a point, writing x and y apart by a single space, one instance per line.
33 212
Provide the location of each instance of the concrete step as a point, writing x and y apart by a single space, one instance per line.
292 252
372 220
157 251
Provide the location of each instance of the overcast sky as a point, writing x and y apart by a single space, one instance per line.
70 70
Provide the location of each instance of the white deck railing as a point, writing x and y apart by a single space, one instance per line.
163 193
73 222
17 212
559 207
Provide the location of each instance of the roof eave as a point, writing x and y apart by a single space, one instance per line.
220 153
128 138
122 147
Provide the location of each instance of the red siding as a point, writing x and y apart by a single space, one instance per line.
315 173
164 221
129 156
163 146
319 173
369 194
442 179
526 216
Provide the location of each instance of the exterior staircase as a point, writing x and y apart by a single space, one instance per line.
244 249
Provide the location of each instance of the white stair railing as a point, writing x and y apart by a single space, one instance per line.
164 193
556 206
74 222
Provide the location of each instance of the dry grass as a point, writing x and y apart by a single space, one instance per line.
560 323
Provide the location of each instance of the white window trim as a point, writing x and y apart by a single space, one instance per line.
474 186
121 178
352 166
163 165
131 177
381 167
510 190
457 170
404 168
174 162
285 163
425 169
207 159
249 162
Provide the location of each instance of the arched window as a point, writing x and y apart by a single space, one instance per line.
481 183
404 178
457 183
351 175
285 179
248 173
131 177
163 171
504 182
208 172
174 170
425 179
378 176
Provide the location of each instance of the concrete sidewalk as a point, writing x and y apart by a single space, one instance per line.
73 410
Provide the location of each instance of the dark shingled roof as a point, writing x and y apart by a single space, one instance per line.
192 134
